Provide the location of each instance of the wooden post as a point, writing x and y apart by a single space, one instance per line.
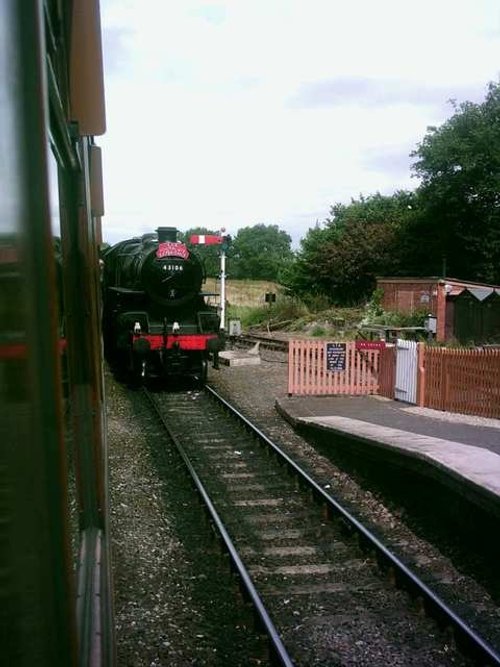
421 374
441 313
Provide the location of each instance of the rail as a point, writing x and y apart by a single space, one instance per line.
265 342
468 640
277 647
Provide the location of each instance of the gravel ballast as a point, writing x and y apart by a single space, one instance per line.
160 619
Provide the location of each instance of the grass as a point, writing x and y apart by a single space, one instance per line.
246 302
244 293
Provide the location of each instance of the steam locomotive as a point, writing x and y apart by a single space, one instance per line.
156 322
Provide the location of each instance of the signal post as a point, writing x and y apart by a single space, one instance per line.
223 241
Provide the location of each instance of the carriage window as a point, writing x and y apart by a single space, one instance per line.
55 219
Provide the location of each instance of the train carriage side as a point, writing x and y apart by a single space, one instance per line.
55 575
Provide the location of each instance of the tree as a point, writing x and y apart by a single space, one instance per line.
357 242
459 164
260 252
451 223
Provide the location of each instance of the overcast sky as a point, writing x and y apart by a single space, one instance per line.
232 113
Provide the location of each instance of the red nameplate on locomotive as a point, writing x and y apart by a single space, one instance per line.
171 249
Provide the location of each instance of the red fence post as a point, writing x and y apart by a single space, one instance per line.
291 349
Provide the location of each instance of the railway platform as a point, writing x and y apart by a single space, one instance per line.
458 450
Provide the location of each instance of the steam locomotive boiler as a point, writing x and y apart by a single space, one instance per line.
156 322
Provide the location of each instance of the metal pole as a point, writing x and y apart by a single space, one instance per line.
223 289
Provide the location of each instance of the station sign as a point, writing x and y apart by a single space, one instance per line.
335 357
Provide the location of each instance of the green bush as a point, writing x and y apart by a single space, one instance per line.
285 310
317 302
374 315
318 331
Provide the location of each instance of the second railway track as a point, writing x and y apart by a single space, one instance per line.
331 602
267 342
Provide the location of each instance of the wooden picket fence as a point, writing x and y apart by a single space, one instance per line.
354 372
462 380
455 380
387 371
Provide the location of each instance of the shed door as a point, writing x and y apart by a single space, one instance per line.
406 371
405 301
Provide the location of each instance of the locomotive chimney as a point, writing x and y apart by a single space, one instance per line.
167 234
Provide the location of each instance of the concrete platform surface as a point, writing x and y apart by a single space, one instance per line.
238 358
463 447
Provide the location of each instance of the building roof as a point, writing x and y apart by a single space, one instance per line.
454 282
480 293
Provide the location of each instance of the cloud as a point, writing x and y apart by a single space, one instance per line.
236 113
367 92
117 53
394 161
215 13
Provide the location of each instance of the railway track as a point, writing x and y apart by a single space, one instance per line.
265 342
321 584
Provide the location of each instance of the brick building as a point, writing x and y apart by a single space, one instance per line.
439 296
